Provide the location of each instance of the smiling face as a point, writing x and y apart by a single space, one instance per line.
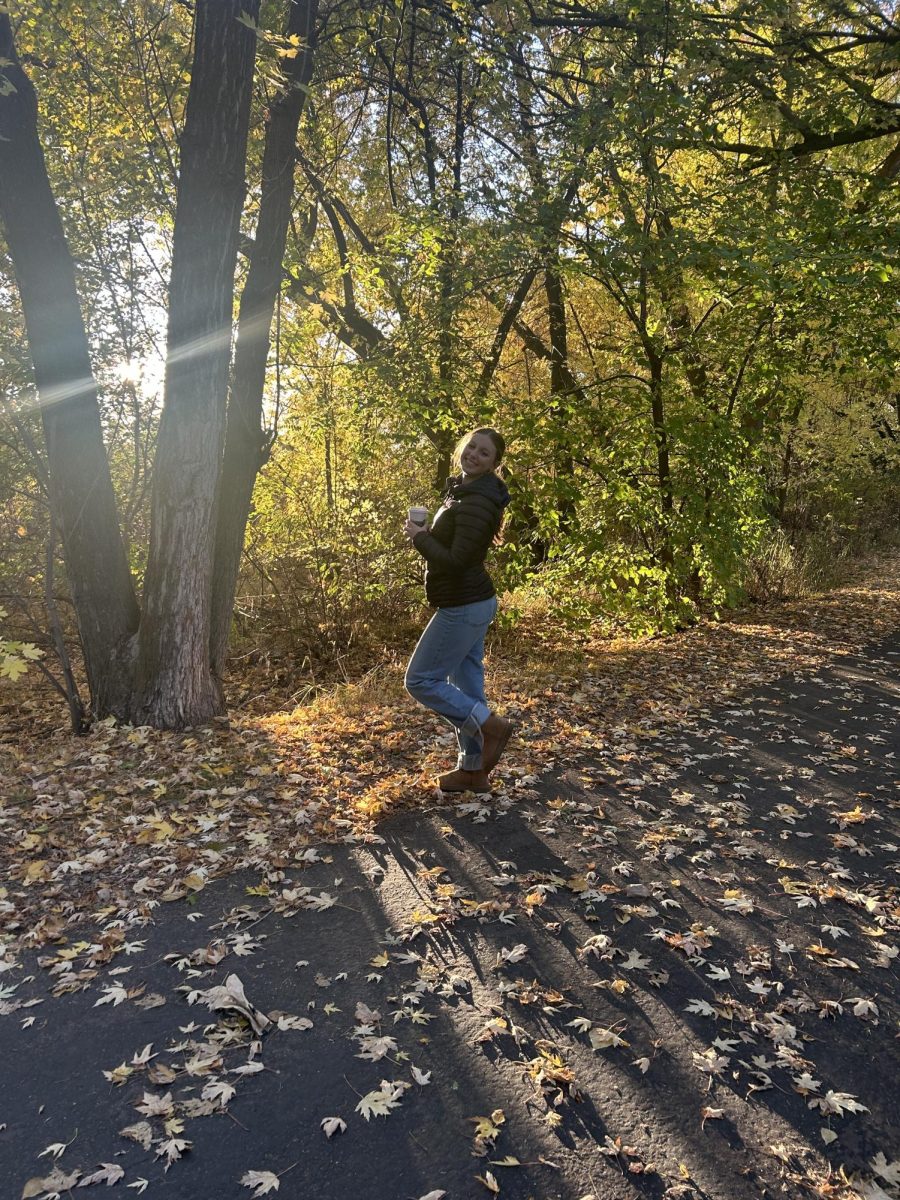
478 456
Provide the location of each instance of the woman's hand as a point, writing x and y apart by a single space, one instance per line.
410 529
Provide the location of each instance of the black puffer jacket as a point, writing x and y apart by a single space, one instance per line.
460 537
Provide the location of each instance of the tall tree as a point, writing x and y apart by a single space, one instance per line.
80 486
154 665
247 443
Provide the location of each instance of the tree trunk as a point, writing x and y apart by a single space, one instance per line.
81 491
663 467
561 383
329 480
442 467
174 685
445 401
246 443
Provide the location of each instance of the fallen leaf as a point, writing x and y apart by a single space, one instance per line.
56 1182
142 1133
231 997
55 1148
489 1182
889 1172
109 1173
837 1103
263 1181
711 1114
153 1105
602 1039
382 1101
171 1149
286 1022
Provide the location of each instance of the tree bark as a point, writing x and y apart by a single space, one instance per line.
246 442
81 491
174 685
561 381
665 556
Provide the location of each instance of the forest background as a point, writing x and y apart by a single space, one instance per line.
654 244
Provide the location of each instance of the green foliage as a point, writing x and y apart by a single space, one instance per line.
15 656
329 574
697 384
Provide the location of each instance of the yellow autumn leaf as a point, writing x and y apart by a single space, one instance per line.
424 918
155 831
489 1127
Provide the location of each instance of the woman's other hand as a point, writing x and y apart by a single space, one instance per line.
410 529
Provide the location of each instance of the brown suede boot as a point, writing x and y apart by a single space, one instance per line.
464 781
496 731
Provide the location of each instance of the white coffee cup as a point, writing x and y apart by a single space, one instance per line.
419 516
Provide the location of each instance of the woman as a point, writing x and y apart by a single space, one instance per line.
446 671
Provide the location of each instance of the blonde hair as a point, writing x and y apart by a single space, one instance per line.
496 438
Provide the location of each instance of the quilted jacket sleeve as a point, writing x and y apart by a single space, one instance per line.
476 520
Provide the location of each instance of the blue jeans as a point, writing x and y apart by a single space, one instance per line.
446 673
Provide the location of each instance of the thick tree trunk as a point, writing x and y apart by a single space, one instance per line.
246 443
81 491
174 684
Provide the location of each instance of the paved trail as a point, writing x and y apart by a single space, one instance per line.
714 906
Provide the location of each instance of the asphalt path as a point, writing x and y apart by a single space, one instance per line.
674 830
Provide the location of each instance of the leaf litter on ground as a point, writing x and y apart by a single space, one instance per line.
104 830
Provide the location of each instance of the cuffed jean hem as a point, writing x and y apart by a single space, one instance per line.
469 761
474 721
